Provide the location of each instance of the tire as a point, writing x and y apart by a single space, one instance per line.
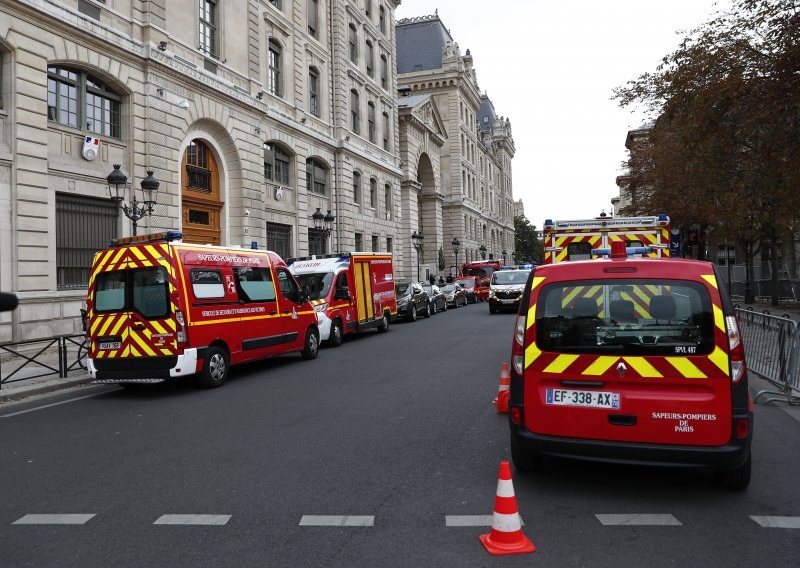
524 460
736 479
433 308
444 309
427 312
215 368
412 312
384 326
311 345
337 334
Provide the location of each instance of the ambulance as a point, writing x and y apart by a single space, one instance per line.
159 309
636 360
576 239
350 292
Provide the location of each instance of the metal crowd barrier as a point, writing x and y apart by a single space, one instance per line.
771 346
38 358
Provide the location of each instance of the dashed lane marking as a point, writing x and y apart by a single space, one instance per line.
470 520
777 522
69 519
193 520
638 520
337 521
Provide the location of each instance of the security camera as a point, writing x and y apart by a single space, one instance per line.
184 104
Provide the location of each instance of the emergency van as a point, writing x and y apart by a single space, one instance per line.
635 360
575 239
158 309
350 292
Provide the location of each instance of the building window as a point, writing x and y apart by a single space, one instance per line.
368 8
387 200
276 163
276 3
355 117
370 57
208 27
359 242
389 244
375 246
313 91
316 176
84 225
353 44
279 239
371 121
357 187
373 193
386 131
76 99
316 241
384 72
313 18
274 69
382 19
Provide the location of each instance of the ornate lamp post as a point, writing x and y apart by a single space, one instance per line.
456 247
324 224
417 240
503 252
482 248
135 210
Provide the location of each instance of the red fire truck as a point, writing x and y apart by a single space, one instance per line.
583 239
483 270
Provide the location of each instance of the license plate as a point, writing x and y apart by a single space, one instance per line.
110 345
590 399
508 301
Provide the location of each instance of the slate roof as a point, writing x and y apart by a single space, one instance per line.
419 43
486 110
411 101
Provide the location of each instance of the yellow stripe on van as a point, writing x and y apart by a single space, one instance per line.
643 367
368 291
531 354
719 319
560 363
720 359
686 368
600 365
536 281
359 269
710 278
531 316
140 341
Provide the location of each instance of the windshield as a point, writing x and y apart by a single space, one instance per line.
481 272
319 284
448 288
510 277
429 289
466 282
402 289
644 317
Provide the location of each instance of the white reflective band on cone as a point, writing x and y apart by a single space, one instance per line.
506 523
502 388
505 488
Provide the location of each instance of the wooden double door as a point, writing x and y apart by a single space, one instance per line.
200 195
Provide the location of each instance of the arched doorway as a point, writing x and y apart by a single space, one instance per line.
200 195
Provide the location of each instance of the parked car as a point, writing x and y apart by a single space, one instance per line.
437 299
505 289
412 300
470 285
454 294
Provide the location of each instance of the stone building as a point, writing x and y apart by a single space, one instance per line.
252 115
466 191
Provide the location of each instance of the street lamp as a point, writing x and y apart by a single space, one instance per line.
456 246
503 252
482 248
135 210
324 224
416 240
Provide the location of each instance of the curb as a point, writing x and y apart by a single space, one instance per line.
10 394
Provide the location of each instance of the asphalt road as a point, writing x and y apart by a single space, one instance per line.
390 433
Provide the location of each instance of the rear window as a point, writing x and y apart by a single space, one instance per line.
636 317
144 290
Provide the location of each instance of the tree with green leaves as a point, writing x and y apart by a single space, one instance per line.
724 150
527 245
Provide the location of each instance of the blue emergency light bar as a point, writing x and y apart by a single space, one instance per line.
629 250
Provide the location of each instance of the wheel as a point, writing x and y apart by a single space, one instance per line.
384 326
311 346
433 308
524 460
215 368
427 312
337 335
444 309
736 479
412 312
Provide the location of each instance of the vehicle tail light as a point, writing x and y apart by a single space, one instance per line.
742 428
518 350
180 331
735 349
516 415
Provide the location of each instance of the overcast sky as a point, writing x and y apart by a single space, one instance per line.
550 66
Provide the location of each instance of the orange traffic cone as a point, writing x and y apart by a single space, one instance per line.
502 395
506 536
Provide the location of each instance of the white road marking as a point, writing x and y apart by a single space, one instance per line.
193 520
471 520
337 521
777 522
69 519
58 403
638 520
